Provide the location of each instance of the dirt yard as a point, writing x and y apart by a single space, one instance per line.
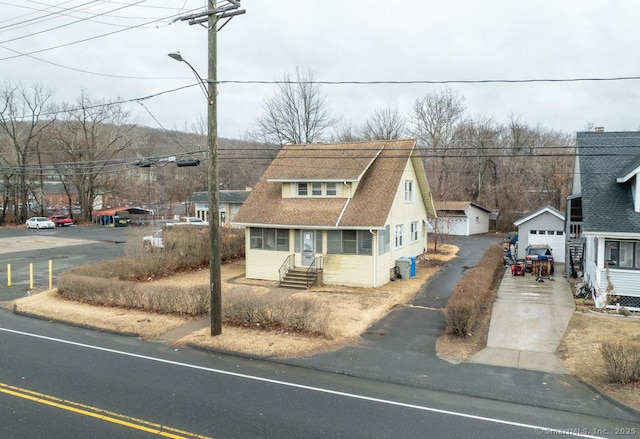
352 311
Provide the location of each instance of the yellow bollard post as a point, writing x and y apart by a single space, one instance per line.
31 276
50 274
8 275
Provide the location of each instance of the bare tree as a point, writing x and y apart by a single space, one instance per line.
384 124
21 126
297 114
90 140
344 132
435 121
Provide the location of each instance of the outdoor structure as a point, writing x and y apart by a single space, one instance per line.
121 216
462 218
230 203
348 211
604 215
544 226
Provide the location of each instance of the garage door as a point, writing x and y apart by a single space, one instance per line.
555 239
458 226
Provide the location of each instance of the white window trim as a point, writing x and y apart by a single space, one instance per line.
398 236
409 191
415 231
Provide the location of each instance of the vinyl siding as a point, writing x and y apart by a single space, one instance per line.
351 270
483 217
544 221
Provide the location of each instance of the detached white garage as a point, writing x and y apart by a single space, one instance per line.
544 226
462 218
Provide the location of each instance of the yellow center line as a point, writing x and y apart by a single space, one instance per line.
94 412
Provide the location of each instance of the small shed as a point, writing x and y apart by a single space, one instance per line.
544 226
460 218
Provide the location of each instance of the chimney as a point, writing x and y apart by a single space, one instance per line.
599 129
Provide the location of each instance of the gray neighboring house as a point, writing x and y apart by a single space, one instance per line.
604 213
230 203
544 226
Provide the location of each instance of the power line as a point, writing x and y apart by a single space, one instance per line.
88 38
429 81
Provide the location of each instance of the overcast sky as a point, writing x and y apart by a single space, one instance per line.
354 40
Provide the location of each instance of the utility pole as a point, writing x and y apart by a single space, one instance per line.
215 281
211 16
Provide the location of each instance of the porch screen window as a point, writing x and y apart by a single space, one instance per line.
364 242
384 244
349 239
282 240
349 242
255 238
622 254
269 239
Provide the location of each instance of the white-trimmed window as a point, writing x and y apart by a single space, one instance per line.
331 190
399 236
303 189
414 231
409 192
316 189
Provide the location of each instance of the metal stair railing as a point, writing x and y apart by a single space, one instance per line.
314 267
288 264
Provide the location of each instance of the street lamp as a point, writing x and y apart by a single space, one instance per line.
210 91
178 57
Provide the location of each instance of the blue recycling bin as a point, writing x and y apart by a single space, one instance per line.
413 265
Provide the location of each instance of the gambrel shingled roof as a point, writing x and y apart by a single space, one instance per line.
377 165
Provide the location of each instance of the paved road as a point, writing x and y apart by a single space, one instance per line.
58 381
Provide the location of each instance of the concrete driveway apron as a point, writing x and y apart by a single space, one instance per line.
528 321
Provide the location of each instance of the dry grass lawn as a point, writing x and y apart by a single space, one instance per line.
580 350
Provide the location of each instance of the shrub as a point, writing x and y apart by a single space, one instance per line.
472 295
621 361
269 312
130 294
460 315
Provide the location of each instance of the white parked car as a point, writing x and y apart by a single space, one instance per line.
189 221
40 222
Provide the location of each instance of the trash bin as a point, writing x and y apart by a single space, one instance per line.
412 270
404 268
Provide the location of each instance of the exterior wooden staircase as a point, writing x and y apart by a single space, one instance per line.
300 278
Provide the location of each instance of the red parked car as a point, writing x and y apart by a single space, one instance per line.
61 220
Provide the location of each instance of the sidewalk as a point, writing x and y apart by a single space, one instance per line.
528 321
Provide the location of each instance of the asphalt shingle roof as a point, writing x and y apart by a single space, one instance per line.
606 204
378 165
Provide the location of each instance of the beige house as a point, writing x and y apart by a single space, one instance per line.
345 211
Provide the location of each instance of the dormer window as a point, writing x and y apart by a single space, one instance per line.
314 189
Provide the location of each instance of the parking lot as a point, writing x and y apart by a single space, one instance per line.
22 249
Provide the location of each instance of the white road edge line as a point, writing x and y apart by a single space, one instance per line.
539 429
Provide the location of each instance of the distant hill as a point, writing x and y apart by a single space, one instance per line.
241 162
